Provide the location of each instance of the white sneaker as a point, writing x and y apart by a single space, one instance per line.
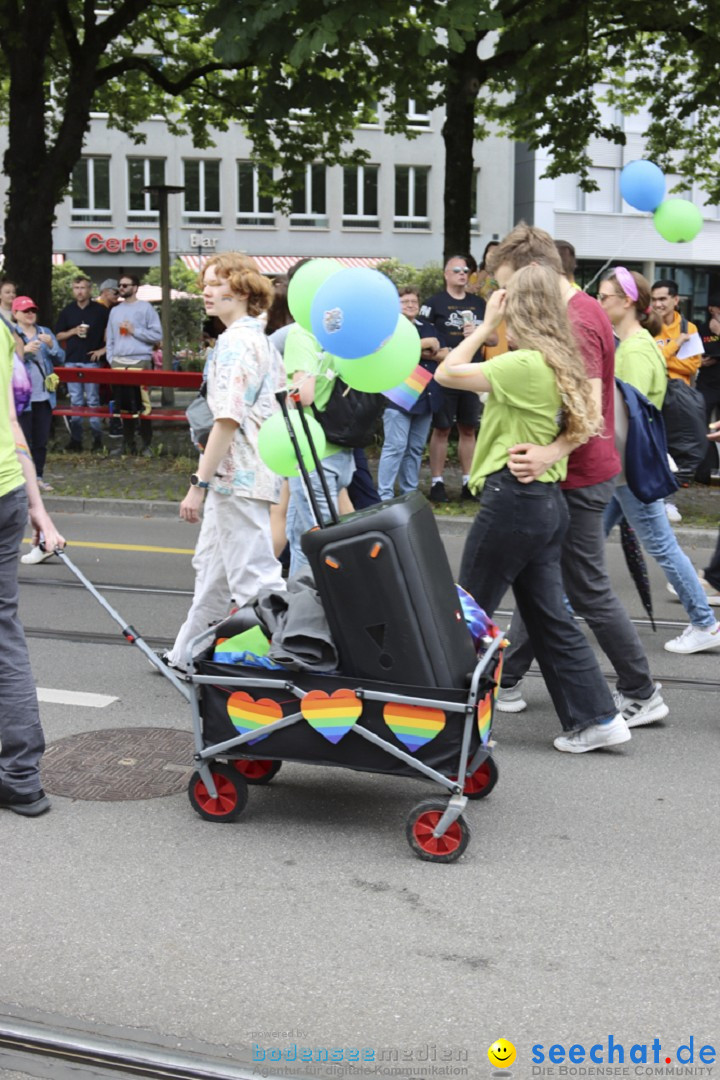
637 712
673 514
594 737
510 699
712 595
35 555
695 639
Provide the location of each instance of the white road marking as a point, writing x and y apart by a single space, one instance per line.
74 697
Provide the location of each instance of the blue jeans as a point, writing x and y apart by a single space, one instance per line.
405 435
21 735
81 394
649 520
516 539
338 469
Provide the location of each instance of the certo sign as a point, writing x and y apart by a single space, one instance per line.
95 242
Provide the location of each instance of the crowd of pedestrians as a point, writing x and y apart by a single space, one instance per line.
523 365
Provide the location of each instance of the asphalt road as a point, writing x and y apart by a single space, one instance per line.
584 906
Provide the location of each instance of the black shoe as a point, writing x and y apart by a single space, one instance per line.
29 805
466 495
438 494
74 447
97 443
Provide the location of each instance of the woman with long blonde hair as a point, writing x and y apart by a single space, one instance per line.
534 393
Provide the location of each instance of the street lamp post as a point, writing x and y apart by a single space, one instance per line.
162 191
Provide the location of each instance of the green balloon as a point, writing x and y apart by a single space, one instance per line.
276 449
305 283
388 366
678 220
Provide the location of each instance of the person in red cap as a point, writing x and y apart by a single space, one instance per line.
41 352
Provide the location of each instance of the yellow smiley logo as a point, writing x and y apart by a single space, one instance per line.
502 1054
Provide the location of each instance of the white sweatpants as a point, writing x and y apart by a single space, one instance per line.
233 560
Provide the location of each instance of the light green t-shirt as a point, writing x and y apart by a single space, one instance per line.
303 352
11 475
524 406
638 361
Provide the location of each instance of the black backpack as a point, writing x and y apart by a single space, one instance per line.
350 416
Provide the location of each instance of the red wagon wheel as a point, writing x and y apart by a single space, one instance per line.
422 821
231 798
257 771
482 781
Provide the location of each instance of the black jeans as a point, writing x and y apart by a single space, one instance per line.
712 572
516 540
35 423
588 587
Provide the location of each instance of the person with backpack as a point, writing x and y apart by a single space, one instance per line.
684 408
625 297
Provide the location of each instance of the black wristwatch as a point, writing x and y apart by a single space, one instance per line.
197 482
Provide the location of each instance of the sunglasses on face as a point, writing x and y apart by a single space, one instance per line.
460 270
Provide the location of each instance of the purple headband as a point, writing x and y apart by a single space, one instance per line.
626 282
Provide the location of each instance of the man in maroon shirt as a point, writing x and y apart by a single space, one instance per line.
588 488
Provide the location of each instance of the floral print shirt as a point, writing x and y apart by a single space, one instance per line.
244 373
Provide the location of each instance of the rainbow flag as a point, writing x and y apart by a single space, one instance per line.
407 393
485 712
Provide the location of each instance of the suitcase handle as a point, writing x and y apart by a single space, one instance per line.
281 397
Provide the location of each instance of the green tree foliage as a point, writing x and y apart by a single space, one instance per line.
427 280
182 278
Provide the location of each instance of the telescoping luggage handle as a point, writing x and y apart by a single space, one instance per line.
281 397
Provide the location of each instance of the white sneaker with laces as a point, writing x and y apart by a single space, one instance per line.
695 639
510 699
673 514
637 712
35 555
594 737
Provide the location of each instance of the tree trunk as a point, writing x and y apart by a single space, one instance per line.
38 170
31 198
458 133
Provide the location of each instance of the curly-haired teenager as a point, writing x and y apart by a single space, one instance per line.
535 392
234 555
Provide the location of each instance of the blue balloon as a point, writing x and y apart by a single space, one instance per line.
354 312
642 185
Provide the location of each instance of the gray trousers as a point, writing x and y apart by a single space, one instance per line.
21 736
588 589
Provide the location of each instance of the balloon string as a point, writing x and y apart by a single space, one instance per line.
628 235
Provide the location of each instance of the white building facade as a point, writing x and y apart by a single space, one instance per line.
390 208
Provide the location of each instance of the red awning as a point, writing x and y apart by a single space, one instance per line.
280 264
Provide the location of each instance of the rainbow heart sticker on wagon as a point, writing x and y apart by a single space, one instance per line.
332 715
249 714
413 725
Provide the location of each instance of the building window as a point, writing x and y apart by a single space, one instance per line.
606 200
308 204
411 197
253 208
202 192
91 189
142 172
474 211
416 118
360 197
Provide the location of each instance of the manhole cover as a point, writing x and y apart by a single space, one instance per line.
120 764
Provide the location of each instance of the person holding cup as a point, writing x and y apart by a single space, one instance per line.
80 329
41 352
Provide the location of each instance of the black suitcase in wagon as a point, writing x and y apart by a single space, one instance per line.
389 597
